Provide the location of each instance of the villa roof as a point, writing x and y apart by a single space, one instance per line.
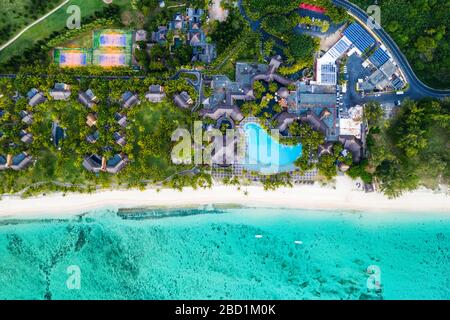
205 52
27 117
285 119
121 120
129 99
231 111
325 114
17 162
60 95
326 148
87 98
120 139
183 100
354 145
141 35
95 163
155 93
314 121
92 138
26 137
311 100
195 38
37 99
91 119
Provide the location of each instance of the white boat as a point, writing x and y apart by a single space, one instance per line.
298 242
258 236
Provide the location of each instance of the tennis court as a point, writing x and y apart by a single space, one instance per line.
111 59
111 48
112 38
72 57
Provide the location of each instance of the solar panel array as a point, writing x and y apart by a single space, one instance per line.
379 57
339 48
328 74
359 37
397 83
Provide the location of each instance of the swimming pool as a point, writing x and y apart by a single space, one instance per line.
266 155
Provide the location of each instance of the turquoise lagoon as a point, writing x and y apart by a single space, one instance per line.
215 254
265 154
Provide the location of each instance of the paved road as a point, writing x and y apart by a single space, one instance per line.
197 84
417 88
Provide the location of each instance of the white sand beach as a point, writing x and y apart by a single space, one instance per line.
344 196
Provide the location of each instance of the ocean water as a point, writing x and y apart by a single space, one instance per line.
234 253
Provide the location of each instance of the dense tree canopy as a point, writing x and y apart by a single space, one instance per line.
412 148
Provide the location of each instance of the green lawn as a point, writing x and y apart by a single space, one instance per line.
55 22
21 13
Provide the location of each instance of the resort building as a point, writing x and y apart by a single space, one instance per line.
353 145
88 98
325 149
18 162
120 139
232 112
61 91
113 165
92 138
315 122
160 36
26 137
26 116
140 35
121 119
35 97
155 94
91 119
311 103
355 39
284 120
353 132
129 100
187 29
183 100
381 78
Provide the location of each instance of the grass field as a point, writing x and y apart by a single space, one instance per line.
21 13
55 22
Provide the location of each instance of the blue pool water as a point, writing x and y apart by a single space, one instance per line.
265 154
198 254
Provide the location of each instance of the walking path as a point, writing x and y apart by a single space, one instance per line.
33 24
